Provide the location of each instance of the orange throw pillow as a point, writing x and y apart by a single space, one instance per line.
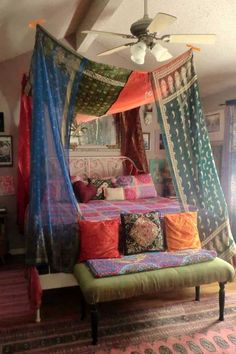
99 239
181 231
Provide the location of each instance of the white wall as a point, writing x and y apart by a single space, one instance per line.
213 103
11 72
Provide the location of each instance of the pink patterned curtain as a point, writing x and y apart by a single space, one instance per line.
131 139
23 168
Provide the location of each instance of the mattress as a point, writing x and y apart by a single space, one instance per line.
104 209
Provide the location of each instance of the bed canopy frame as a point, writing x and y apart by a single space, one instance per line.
65 86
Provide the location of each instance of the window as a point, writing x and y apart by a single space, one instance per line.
99 132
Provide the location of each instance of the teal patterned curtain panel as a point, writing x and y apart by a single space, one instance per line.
229 162
189 152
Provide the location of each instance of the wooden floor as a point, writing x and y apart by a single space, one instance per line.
57 303
64 302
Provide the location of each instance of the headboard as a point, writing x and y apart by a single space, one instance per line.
98 166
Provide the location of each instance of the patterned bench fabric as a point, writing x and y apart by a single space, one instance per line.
147 261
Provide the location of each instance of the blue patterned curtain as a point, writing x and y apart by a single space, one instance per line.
63 84
52 220
189 152
229 162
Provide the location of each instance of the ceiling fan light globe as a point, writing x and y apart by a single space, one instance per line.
160 53
138 52
138 47
138 59
165 56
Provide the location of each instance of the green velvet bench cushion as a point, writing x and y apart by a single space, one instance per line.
96 290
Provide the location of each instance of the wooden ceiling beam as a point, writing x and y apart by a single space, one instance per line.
98 12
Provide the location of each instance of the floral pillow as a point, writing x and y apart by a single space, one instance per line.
145 186
141 233
135 187
130 193
100 184
125 181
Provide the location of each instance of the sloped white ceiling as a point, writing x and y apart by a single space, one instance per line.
215 64
15 35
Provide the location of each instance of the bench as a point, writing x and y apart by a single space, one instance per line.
98 290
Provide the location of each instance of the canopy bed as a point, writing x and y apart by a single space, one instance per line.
65 86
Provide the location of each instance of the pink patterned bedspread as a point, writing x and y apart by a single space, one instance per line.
103 209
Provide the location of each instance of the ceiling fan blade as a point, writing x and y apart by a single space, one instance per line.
104 33
190 38
114 50
160 22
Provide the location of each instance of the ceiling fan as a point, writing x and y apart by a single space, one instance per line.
146 32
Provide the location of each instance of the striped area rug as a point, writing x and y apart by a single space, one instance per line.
178 327
14 300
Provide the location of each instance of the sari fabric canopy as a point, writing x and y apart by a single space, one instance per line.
189 152
229 162
129 129
65 86
23 166
52 232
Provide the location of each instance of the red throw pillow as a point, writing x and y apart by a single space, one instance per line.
99 239
84 192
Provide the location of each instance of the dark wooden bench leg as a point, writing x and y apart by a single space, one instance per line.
94 323
222 300
197 293
82 307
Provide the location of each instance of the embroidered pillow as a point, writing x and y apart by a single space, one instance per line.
181 231
100 184
84 191
141 233
98 239
114 193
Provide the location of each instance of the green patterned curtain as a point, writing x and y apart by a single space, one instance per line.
189 152
229 162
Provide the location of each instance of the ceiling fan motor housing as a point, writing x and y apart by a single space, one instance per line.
139 27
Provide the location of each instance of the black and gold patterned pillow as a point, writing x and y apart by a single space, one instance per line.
100 184
142 233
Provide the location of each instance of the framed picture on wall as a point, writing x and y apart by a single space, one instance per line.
215 125
6 151
146 139
1 122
